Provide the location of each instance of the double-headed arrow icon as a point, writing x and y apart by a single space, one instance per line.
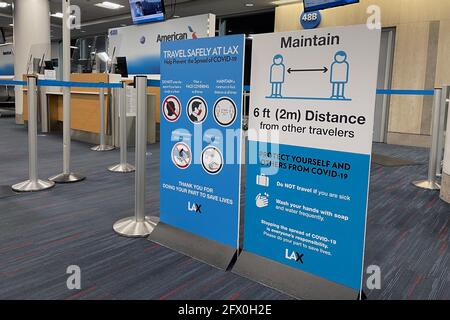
324 70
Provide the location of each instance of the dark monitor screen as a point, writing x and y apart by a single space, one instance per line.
122 67
143 11
48 65
313 5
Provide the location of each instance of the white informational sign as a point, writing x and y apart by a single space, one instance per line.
50 74
141 44
312 100
317 71
131 101
6 60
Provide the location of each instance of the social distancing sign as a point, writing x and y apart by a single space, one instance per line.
311 120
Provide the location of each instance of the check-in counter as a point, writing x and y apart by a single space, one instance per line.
85 103
85 106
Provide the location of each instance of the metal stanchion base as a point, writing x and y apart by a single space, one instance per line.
130 227
67 178
30 186
101 148
426 184
123 168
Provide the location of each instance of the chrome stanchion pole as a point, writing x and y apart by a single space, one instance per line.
33 183
139 225
123 166
431 183
441 134
67 176
103 146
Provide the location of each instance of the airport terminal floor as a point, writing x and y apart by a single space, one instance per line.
42 233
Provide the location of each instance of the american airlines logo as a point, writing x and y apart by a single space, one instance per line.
177 36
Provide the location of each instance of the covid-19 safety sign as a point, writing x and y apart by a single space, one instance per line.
201 106
310 136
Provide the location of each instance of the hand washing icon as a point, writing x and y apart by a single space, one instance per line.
262 200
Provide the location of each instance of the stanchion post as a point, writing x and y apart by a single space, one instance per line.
67 176
441 134
431 183
33 183
103 146
139 225
123 166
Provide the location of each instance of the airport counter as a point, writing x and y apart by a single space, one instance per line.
85 109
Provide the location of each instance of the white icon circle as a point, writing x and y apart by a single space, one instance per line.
212 160
171 108
181 155
225 111
197 110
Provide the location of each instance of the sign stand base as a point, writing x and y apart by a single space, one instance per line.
208 251
294 282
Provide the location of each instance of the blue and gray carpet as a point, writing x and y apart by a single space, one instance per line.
41 234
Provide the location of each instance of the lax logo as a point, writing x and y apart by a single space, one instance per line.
297 257
194 207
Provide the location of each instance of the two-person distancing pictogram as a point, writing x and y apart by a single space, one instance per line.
339 72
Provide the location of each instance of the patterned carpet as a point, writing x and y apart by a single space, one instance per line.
41 234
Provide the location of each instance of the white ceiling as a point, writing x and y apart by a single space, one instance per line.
96 20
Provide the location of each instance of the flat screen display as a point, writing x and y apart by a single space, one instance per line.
313 5
144 11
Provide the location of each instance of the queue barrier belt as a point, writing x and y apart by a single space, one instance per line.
12 83
156 83
406 92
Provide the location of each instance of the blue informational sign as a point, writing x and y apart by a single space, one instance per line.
310 20
312 103
313 5
201 94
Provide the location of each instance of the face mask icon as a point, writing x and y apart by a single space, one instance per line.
197 110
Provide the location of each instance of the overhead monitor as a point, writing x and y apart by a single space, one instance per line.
313 5
144 11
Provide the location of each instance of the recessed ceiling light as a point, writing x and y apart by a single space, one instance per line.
109 5
60 15
57 15
4 4
249 4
